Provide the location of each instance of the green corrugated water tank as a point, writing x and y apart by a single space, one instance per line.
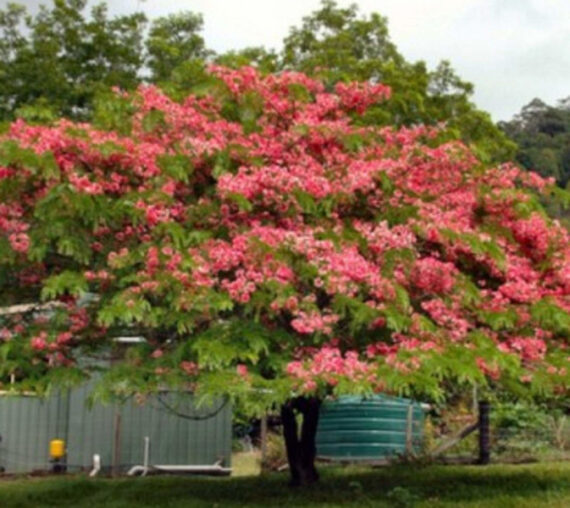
368 429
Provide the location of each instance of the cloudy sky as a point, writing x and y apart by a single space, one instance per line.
512 50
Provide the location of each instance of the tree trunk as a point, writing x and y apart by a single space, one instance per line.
301 450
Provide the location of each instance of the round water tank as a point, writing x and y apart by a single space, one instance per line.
375 428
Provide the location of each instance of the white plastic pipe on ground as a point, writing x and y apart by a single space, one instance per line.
96 465
143 470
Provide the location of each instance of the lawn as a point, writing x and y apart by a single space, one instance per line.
501 486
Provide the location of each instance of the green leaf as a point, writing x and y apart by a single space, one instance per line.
506 320
402 298
395 319
222 163
353 142
177 166
240 200
299 92
551 317
477 246
306 201
561 196
69 282
228 342
153 120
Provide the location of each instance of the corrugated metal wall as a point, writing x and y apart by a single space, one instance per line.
26 426
205 441
90 431
116 433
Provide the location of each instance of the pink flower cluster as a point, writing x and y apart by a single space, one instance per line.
360 96
327 365
313 322
533 235
529 348
20 242
449 319
433 276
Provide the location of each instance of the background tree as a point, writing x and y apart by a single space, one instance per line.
542 133
174 41
262 59
59 59
65 58
273 248
338 44
56 62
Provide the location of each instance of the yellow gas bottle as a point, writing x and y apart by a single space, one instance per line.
57 448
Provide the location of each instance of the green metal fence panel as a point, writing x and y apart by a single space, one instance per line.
90 431
179 432
27 425
376 428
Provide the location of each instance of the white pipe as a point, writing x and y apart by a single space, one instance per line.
176 468
173 468
96 465
134 470
129 340
29 307
146 455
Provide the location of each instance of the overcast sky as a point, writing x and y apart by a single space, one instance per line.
512 50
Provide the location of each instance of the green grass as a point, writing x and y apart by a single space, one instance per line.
246 464
537 485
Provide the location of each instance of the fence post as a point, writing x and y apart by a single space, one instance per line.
116 443
484 433
410 430
263 439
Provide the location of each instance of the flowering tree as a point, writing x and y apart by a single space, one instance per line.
273 247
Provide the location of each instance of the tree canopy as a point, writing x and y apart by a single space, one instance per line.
267 242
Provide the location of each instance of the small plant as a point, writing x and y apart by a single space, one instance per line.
521 431
356 487
403 497
275 456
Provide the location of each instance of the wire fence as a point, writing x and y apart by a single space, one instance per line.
516 435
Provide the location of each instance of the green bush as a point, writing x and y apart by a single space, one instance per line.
522 430
275 455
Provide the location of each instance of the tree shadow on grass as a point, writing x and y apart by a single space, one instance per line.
339 486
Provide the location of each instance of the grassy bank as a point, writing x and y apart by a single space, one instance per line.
537 485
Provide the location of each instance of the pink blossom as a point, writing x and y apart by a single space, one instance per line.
433 276
20 242
242 370
190 368
39 342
